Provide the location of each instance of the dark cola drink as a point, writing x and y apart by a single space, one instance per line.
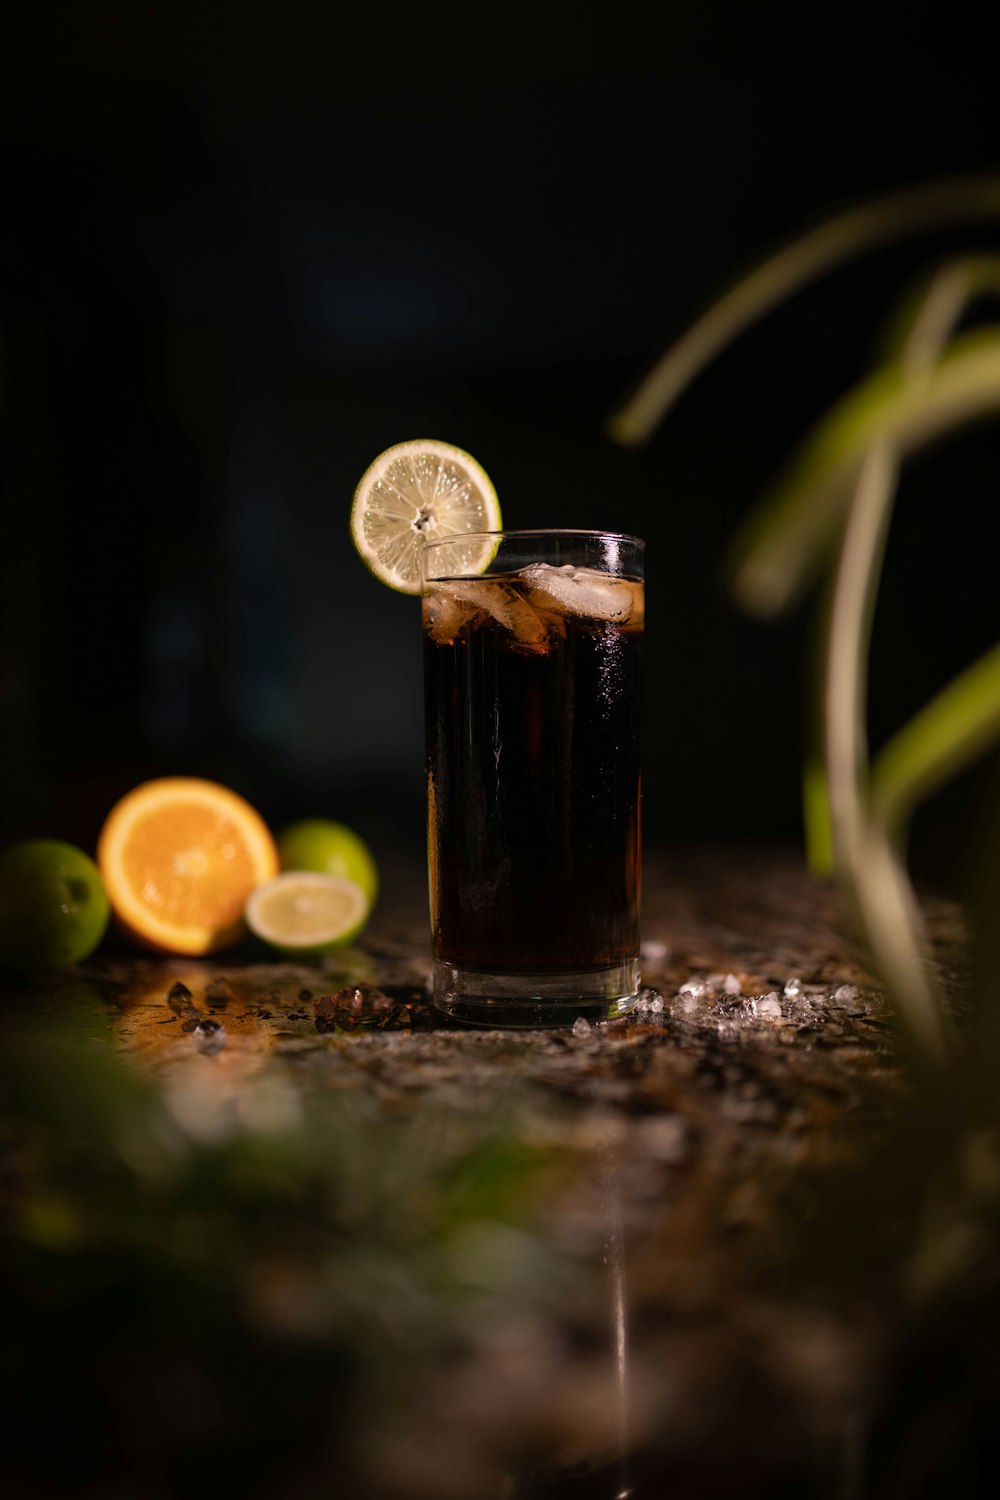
533 760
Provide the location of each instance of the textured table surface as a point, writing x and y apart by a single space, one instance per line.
660 1259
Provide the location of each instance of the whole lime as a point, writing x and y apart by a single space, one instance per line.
332 849
53 907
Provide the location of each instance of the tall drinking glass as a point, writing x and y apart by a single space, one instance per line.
533 713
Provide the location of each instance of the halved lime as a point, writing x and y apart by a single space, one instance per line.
418 492
306 911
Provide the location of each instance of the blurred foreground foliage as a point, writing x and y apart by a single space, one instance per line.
256 1295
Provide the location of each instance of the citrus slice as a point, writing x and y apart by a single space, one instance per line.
306 911
419 492
178 857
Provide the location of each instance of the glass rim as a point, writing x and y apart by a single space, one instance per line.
535 531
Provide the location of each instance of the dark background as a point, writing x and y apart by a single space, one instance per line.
244 251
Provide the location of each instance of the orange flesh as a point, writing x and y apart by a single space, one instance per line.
189 864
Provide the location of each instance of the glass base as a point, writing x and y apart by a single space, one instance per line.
535 1000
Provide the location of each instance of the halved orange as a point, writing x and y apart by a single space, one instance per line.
179 856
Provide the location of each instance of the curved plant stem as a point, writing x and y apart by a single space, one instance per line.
852 607
939 305
804 260
884 906
865 822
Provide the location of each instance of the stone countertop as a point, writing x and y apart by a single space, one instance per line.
667 1263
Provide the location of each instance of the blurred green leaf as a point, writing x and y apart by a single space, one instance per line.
957 727
782 548
816 817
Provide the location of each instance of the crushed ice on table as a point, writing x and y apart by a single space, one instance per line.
768 1007
793 988
209 1037
648 1000
652 949
690 996
731 985
582 591
180 999
218 994
845 993
581 1026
